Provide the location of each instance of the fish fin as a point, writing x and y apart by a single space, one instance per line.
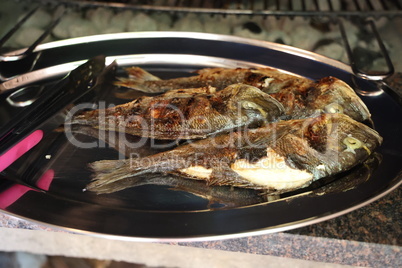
137 78
138 73
107 166
118 185
110 171
130 83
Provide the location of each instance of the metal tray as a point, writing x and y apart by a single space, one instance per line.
158 213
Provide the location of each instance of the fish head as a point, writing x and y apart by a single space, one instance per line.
335 96
338 141
254 103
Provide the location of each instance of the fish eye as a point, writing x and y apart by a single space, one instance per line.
333 108
352 143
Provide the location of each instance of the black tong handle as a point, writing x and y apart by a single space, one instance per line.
76 84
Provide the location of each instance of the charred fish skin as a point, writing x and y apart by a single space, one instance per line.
278 157
269 79
332 95
187 114
301 97
327 95
125 144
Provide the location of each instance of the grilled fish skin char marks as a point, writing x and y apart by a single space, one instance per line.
301 97
277 158
327 95
187 114
263 78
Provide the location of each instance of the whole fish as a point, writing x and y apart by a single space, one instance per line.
187 114
263 78
278 157
301 97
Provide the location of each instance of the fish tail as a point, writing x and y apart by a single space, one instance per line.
137 78
130 83
106 166
140 74
120 185
106 172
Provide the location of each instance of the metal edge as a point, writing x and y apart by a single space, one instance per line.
193 35
188 59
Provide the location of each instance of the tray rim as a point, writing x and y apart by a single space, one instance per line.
189 35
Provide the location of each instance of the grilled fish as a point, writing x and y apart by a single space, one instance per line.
301 97
262 78
187 114
277 157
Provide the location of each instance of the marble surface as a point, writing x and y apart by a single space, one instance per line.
379 222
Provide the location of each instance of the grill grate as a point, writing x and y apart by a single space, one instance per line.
331 11
307 8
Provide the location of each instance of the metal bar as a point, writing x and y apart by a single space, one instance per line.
233 11
238 4
10 33
47 31
356 70
357 5
331 8
31 48
251 3
317 6
398 5
370 5
384 4
303 5
266 4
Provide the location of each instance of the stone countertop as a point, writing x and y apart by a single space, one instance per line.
379 222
